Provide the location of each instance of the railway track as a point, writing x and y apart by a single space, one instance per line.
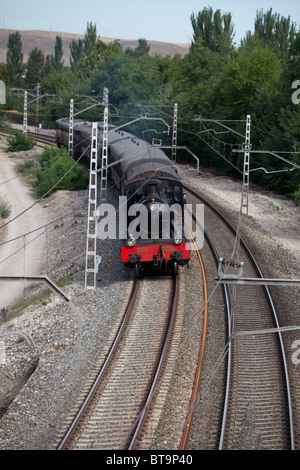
41 139
116 410
256 411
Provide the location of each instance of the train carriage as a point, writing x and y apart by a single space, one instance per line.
149 180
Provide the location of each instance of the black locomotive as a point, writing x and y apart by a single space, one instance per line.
149 179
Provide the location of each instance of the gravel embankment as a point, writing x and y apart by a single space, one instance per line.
38 412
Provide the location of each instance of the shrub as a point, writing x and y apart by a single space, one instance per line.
20 141
5 208
56 164
275 207
3 119
296 197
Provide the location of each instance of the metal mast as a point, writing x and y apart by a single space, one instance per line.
91 262
247 148
103 183
71 129
25 113
174 137
37 109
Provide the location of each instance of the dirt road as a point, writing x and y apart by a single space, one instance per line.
24 256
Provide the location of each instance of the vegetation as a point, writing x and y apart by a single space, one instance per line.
27 167
43 297
59 171
20 141
5 208
216 80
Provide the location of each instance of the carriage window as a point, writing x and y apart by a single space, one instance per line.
177 193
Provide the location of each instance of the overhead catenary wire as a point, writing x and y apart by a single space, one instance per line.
225 353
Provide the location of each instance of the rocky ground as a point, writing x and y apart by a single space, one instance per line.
63 351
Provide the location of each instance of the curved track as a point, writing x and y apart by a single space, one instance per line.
257 411
257 406
114 413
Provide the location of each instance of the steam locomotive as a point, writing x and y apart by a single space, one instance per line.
149 179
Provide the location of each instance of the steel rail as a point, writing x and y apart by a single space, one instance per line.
197 382
103 370
271 303
159 371
229 350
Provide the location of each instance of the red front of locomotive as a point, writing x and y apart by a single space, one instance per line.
156 254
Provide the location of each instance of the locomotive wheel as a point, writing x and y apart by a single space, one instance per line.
175 269
137 270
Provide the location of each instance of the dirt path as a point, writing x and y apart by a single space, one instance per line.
14 259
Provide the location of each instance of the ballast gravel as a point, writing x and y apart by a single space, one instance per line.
34 410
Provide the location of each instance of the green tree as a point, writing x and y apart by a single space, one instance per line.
57 59
250 81
77 53
56 165
142 49
214 29
90 65
90 38
199 75
3 72
14 59
48 69
275 30
129 79
58 83
35 68
83 47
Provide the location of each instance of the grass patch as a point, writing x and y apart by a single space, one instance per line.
65 281
5 208
275 207
43 297
27 167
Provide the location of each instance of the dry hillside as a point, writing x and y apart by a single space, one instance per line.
45 41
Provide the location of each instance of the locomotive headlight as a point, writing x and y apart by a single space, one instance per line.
153 206
131 241
178 240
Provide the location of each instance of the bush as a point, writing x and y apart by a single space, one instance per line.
26 167
296 197
5 208
20 141
3 119
56 163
